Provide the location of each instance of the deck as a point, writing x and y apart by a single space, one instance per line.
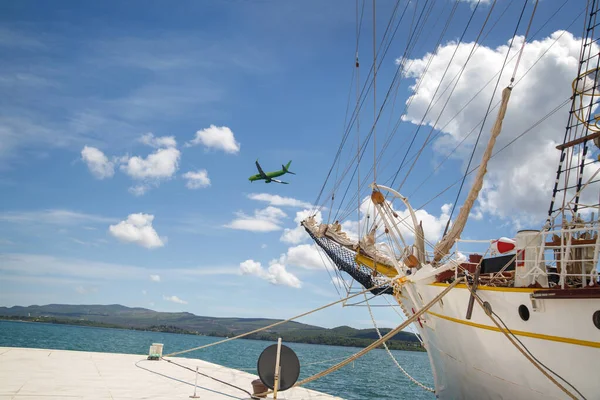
28 374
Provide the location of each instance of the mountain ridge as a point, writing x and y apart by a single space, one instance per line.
139 318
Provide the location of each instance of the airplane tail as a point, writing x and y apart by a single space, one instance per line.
285 168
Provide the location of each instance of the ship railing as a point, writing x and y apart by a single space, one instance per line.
566 257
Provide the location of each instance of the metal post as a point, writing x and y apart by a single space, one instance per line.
195 386
277 370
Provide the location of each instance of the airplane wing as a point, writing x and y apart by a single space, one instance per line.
260 171
278 181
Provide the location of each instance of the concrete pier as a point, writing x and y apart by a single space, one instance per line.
29 374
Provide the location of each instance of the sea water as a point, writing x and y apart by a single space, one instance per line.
374 376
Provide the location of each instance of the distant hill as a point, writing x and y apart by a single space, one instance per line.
116 315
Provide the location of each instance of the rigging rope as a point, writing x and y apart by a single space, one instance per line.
349 208
357 110
385 338
464 67
529 357
276 323
496 105
398 74
367 140
487 112
439 85
413 380
401 64
564 103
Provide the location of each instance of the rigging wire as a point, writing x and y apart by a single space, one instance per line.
402 62
208 376
368 89
495 106
491 312
439 85
487 113
556 109
439 41
356 110
367 139
464 67
473 98
362 148
413 380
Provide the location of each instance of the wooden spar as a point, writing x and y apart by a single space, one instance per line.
444 245
574 142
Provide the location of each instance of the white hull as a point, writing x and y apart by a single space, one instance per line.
472 359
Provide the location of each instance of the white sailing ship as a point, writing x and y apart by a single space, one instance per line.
525 324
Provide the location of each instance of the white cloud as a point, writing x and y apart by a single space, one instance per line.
30 266
276 200
144 292
197 179
262 246
139 190
174 299
137 229
216 137
158 142
251 267
52 217
276 274
305 256
155 278
98 164
265 220
298 234
518 184
161 164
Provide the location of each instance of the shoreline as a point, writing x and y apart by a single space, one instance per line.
339 340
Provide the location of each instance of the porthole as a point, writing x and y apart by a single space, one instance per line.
523 312
596 319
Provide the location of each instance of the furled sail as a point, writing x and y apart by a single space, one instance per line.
445 244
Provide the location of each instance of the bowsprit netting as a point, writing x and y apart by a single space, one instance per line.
343 259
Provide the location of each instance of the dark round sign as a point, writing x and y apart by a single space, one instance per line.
288 363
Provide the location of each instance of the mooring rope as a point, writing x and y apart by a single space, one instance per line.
401 281
535 363
413 380
385 338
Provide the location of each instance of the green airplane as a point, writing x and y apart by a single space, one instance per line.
268 176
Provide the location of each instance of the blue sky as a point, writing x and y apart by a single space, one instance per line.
158 92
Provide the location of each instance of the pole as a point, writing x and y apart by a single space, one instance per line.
195 396
277 370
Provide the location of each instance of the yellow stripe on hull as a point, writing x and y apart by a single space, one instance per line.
492 288
560 339
383 269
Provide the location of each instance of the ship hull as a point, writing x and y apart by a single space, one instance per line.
473 359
